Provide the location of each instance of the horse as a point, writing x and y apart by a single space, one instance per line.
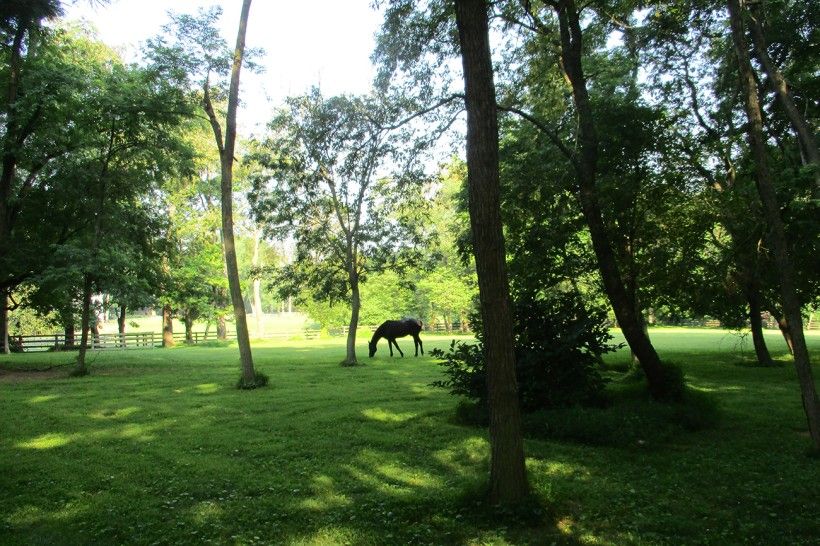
391 329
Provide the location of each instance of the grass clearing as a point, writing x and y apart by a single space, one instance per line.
158 446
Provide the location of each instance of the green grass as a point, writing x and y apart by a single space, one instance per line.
158 446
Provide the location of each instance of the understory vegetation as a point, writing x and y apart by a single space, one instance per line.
157 446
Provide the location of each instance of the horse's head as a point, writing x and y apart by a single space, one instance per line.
371 348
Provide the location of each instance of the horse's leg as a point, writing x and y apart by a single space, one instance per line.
398 348
419 345
390 343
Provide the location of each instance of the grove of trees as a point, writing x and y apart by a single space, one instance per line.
626 162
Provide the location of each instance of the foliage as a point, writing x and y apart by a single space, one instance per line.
558 343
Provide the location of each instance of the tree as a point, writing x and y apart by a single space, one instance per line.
777 234
508 478
326 179
198 54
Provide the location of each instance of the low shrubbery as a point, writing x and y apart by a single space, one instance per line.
559 343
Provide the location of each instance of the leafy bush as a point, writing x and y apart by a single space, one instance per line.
558 345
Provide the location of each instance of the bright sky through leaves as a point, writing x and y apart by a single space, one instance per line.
324 42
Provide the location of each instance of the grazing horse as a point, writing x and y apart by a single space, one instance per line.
392 329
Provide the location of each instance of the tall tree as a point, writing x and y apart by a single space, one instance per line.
585 163
508 477
334 176
226 157
771 208
198 56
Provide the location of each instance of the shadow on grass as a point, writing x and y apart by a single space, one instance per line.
331 455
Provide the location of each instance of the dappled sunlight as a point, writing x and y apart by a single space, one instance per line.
206 512
330 535
43 398
207 388
407 475
378 414
32 515
391 477
326 496
114 413
711 387
465 456
142 433
554 468
47 441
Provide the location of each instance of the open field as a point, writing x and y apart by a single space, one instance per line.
158 447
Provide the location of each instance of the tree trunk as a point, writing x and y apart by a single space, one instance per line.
785 331
257 289
777 236
68 331
167 326
628 319
4 323
121 320
221 328
81 369
355 305
189 328
756 323
9 164
508 476
805 134
226 159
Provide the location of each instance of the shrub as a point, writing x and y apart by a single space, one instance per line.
558 346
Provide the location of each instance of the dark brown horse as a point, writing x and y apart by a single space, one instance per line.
392 329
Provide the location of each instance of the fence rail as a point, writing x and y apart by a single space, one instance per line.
150 340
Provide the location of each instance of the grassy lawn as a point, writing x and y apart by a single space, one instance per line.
158 447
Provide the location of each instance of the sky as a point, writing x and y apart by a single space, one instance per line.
319 42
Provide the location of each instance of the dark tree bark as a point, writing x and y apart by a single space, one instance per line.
508 476
805 134
121 320
68 331
355 306
221 328
189 328
629 319
783 326
756 324
81 368
226 156
777 235
167 326
4 323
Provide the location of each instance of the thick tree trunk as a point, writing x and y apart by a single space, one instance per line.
777 236
508 476
756 324
785 331
355 306
121 320
81 369
4 323
121 325
68 331
628 318
221 328
10 140
189 328
167 326
226 159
